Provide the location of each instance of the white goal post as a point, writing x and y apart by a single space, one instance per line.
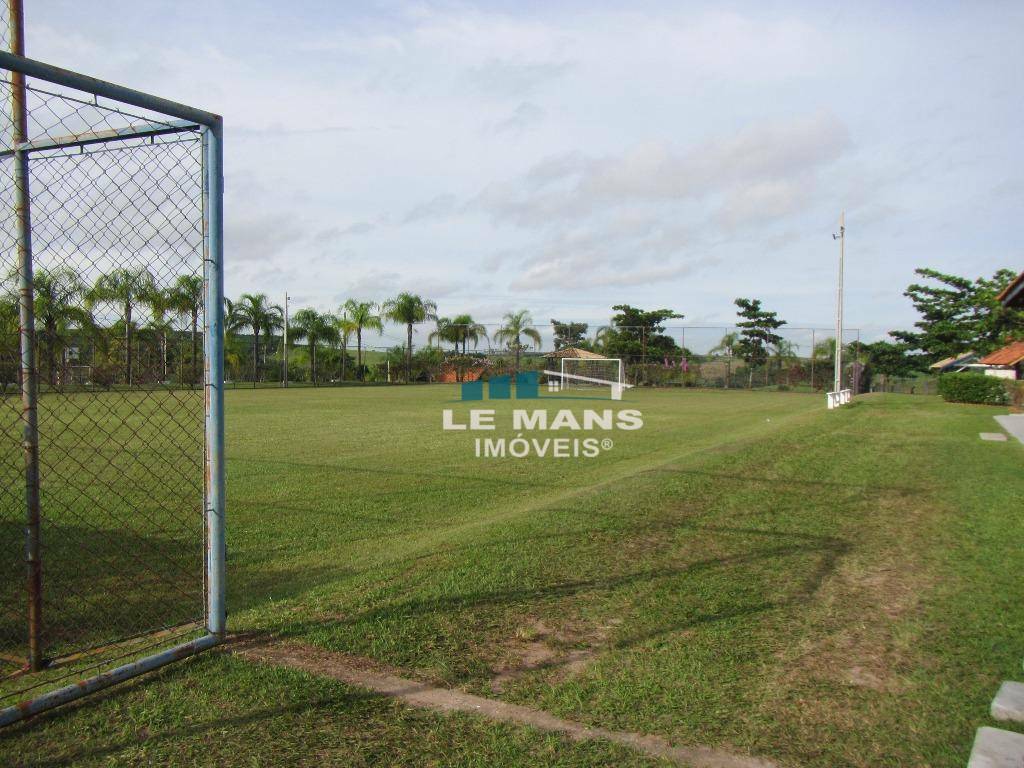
592 372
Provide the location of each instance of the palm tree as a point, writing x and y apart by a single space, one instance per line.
315 328
444 332
408 309
58 309
128 287
9 340
727 346
160 303
785 353
360 314
254 310
345 328
602 335
517 325
465 329
186 299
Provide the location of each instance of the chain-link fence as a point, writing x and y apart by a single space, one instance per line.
111 502
800 359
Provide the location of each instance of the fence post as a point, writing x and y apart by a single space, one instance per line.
812 359
213 188
29 380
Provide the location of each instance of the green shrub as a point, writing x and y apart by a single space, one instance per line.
973 388
1015 390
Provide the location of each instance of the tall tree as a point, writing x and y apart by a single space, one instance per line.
59 312
254 311
891 359
160 303
568 334
757 335
636 333
465 329
515 326
363 317
727 346
346 327
408 309
444 332
186 298
316 328
126 287
958 314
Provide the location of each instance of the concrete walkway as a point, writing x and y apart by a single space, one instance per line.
1013 423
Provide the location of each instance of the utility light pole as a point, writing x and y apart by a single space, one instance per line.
284 352
841 237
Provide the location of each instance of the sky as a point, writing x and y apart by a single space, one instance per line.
567 156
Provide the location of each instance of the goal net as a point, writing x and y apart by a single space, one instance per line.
605 374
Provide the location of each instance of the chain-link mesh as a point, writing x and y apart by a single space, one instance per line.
117 252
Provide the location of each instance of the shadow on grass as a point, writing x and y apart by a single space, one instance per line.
777 482
388 472
800 587
101 585
191 732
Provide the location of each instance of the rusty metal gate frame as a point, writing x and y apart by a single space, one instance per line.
210 128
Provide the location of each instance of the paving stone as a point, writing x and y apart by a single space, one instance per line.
1009 702
996 748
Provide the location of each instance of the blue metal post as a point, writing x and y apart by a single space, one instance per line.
213 246
68 693
213 267
29 376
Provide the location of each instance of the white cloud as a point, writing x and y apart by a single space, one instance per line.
665 154
525 116
768 160
514 79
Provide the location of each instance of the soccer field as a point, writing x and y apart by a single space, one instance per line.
747 572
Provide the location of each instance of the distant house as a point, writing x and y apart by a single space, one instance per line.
1006 363
1013 294
954 363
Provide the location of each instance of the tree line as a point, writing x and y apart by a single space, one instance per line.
142 342
70 317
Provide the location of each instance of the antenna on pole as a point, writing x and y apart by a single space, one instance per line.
841 237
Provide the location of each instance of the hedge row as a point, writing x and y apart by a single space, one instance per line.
973 388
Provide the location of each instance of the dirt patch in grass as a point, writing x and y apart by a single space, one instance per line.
370 675
862 607
564 651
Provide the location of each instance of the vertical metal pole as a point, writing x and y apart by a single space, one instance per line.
839 306
213 191
284 353
812 359
29 380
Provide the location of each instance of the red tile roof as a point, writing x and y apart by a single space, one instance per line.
1013 294
1011 354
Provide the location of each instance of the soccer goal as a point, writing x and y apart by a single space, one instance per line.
593 373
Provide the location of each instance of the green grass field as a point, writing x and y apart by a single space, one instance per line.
748 572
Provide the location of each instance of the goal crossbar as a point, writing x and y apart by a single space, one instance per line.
592 380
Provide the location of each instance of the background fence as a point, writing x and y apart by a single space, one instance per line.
676 356
111 479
